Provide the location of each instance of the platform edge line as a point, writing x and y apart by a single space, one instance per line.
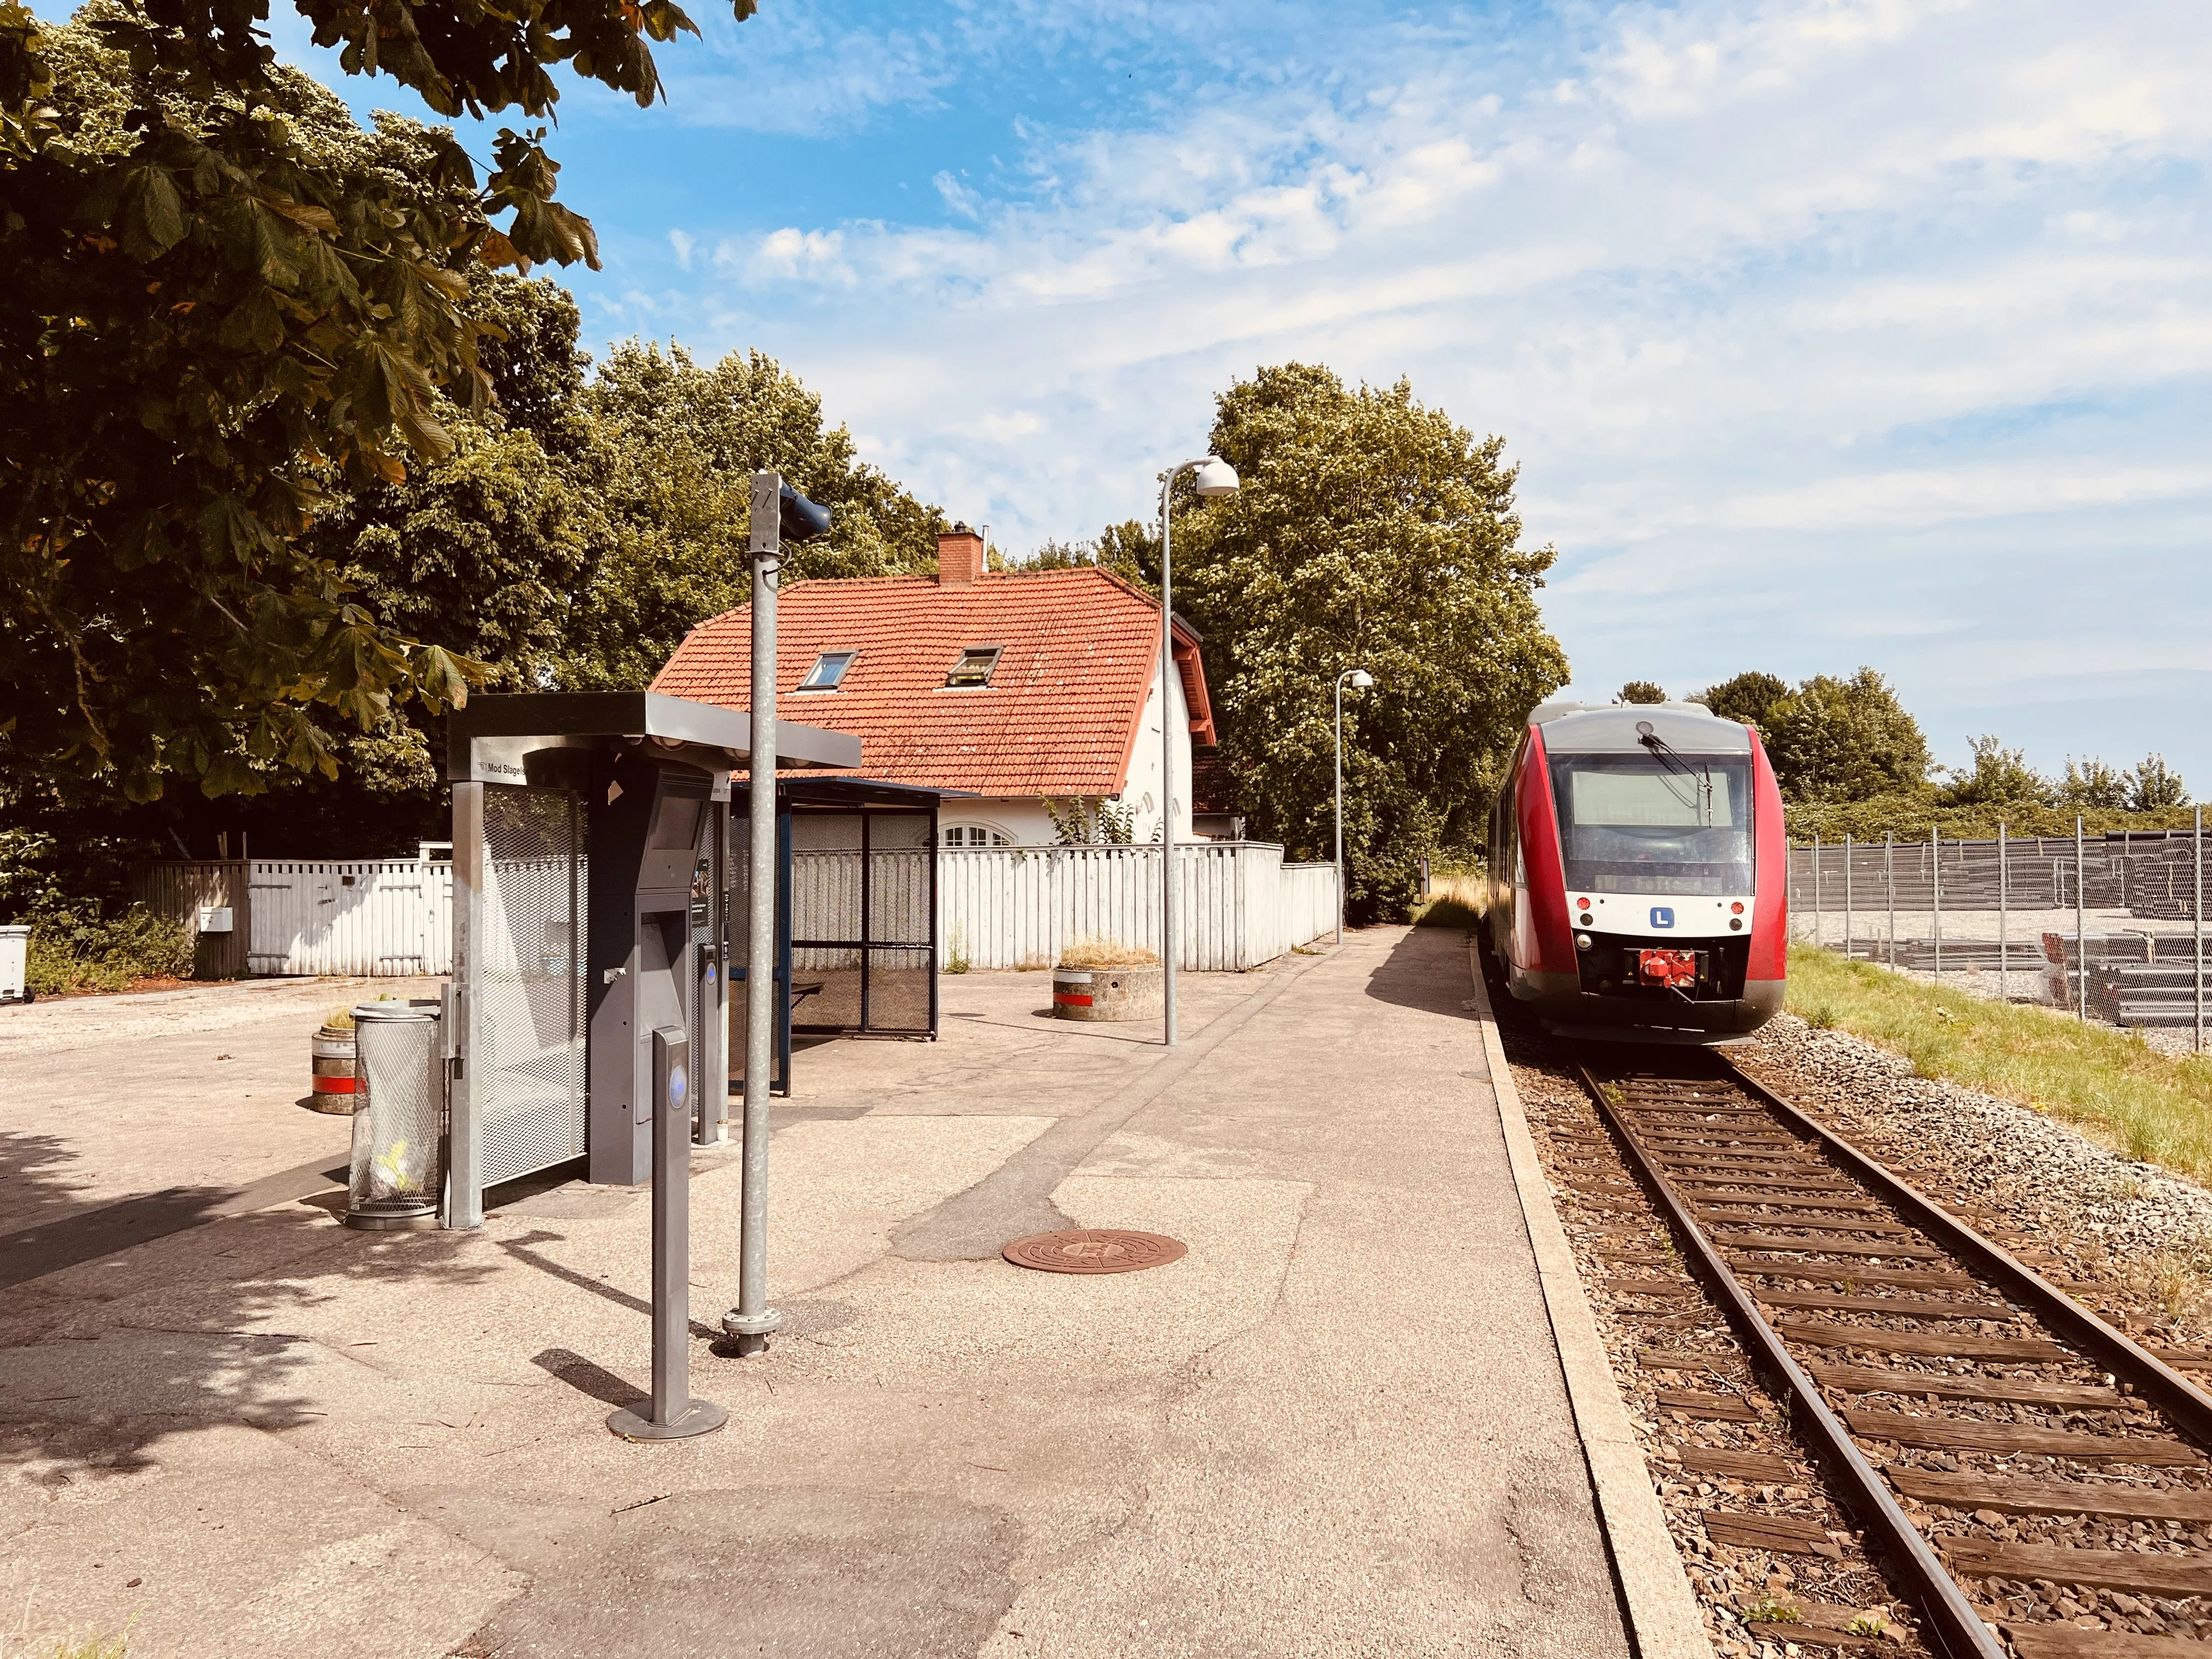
1663 1618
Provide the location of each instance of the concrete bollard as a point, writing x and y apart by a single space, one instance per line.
1107 993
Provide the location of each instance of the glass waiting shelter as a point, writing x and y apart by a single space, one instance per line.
593 890
857 932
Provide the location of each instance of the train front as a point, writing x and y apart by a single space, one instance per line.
1666 821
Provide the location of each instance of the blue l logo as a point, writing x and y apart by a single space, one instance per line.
1663 915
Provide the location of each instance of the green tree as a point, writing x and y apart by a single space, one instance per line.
2154 785
216 292
529 353
1834 739
1748 698
482 547
1999 776
1642 692
1129 549
1371 531
2091 786
681 443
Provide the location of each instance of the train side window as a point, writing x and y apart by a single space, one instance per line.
1515 776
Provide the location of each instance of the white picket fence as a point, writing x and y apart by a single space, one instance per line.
1239 905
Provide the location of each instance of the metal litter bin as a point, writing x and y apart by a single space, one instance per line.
399 1117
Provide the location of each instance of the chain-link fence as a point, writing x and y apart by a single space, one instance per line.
2108 927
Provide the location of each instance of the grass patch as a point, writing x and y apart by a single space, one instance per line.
1453 902
69 1647
2111 1082
1105 953
1445 912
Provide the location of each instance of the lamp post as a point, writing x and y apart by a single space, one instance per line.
1215 478
1358 679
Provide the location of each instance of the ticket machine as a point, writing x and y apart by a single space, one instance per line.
652 823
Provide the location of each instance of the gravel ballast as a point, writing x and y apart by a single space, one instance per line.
2123 1236
2115 1221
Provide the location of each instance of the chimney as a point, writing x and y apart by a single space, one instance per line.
959 557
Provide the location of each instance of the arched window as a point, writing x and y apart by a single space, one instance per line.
974 835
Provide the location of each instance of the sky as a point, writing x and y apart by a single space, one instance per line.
1824 332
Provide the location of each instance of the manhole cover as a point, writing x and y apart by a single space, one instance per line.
1094 1250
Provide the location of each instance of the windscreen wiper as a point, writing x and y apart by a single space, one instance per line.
1670 756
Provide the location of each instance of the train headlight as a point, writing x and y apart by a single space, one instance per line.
1582 941
1735 924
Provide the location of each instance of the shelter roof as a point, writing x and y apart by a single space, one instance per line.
702 734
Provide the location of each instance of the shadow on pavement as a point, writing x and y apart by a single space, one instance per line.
587 1377
87 1235
108 1355
1426 969
32 1189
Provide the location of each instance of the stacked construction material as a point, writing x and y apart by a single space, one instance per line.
2023 958
2135 979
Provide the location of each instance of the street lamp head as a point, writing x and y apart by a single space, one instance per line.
1215 476
1359 680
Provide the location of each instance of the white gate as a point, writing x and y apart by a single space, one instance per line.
369 918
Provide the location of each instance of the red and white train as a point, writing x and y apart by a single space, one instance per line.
1638 874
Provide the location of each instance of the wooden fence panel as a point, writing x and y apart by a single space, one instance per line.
182 890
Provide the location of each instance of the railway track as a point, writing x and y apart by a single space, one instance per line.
2016 1464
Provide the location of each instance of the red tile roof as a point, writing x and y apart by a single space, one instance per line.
1059 717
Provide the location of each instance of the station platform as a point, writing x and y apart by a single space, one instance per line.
1339 1424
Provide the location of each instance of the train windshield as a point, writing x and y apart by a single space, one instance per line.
1655 823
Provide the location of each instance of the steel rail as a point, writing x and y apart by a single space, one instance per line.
2188 1405
1956 1630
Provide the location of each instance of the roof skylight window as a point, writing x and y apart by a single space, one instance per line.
976 666
829 671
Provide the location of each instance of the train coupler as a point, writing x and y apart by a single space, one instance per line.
1672 969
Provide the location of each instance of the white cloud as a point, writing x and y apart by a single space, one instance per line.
1923 498
684 244
960 198
812 256
793 69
